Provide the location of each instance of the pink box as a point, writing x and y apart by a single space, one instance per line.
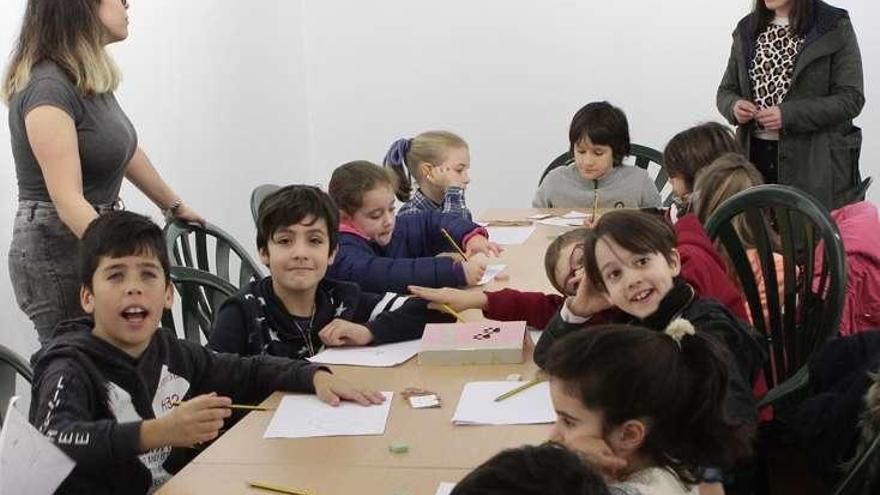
479 342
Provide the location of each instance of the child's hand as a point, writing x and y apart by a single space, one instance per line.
473 272
332 390
343 332
195 421
456 299
445 176
588 300
597 453
480 244
744 111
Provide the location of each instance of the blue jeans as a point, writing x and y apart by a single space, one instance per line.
44 266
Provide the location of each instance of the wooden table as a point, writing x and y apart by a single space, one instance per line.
438 451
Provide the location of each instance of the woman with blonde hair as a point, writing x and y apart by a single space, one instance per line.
72 145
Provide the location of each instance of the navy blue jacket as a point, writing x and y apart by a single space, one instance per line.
409 258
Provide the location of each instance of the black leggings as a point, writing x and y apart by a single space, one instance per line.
765 155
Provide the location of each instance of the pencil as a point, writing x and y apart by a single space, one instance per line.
275 488
453 312
595 200
531 383
242 407
454 244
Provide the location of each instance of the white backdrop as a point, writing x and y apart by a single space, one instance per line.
228 95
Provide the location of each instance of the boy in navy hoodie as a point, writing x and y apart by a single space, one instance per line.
296 310
124 398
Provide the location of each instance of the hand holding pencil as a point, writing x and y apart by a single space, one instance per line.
190 422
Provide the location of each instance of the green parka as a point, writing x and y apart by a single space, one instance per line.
818 145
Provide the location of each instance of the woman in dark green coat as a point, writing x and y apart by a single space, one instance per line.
793 84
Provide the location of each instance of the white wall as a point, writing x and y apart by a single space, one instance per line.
227 95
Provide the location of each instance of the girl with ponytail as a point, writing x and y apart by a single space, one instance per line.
644 407
438 163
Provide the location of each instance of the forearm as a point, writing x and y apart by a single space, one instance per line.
75 212
146 178
152 435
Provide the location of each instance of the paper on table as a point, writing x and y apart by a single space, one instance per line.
535 335
477 405
562 222
29 462
574 215
304 416
510 235
492 271
445 488
379 356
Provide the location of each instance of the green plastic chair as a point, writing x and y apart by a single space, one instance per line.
11 366
201 295
813 289
863 476
188 245
644 157
258 195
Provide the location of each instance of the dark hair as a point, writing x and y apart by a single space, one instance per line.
636 231
405 155
291 205
351 181
801 18
677 388
551 256
116 234
605 125
692 149
548 469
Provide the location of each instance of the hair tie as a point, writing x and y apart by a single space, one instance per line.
678 328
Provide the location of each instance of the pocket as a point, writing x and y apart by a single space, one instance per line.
22 282
846 149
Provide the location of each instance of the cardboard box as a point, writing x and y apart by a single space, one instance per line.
479 342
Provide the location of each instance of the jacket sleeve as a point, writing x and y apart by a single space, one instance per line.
394 318
230 332
846 87
432 226
536 308
62 410
556 329
358 263
542 199
729 91
248 380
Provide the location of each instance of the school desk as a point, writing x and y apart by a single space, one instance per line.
438 451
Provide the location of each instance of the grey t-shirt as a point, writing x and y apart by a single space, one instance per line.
623 186
107 139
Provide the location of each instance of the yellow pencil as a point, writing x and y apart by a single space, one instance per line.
531 383
453 312
595 200
454 244
242 407
275 488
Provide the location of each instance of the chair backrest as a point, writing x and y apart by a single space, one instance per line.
782 220
863 476
211 250
201 295
11 365
643 155
258 195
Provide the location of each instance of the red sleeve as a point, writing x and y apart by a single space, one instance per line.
536 308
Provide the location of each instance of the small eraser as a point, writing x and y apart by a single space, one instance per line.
422 401
398 448
514 377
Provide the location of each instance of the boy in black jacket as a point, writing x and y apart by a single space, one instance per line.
118 394
296 310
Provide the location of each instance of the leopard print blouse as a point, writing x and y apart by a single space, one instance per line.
771 69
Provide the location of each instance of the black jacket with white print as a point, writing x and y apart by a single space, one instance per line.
255 321
90 398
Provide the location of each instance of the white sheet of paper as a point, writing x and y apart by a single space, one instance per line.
510 235
492 271
29 463
379 356
445 488
535 335
574 215
477 405
304 416
563 222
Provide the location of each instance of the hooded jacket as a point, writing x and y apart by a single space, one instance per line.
859 227
90 399
255 321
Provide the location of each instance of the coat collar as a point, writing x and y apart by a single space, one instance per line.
671 307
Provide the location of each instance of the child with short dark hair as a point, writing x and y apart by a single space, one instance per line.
126 399
548 469
438 162
382 252
599 139
296 309
645 407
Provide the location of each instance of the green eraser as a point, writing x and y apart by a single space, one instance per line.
398 448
